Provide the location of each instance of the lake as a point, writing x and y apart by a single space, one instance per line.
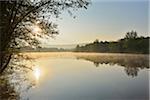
88 76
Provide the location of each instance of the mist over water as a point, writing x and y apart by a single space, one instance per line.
89 76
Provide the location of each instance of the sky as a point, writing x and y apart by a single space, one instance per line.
106 20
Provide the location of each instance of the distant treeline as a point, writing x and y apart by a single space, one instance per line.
29 49
131 43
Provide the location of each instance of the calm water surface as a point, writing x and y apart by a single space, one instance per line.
89 77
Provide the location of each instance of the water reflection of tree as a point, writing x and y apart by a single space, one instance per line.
7 91
18 20
96 64
131 63
131 71
15 79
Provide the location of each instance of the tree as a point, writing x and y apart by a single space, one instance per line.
131 43
25 22
131 35
96 41
77 48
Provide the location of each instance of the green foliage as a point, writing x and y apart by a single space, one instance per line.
130 44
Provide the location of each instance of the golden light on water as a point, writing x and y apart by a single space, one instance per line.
37 73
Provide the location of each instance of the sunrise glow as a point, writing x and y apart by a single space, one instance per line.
37 73
36 29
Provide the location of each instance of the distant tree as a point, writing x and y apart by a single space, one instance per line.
96 41
131 35
77 46
25 22
131 43
113 47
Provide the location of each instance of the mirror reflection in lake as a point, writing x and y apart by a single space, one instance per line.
88 76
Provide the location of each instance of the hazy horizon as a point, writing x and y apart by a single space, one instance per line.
104 20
